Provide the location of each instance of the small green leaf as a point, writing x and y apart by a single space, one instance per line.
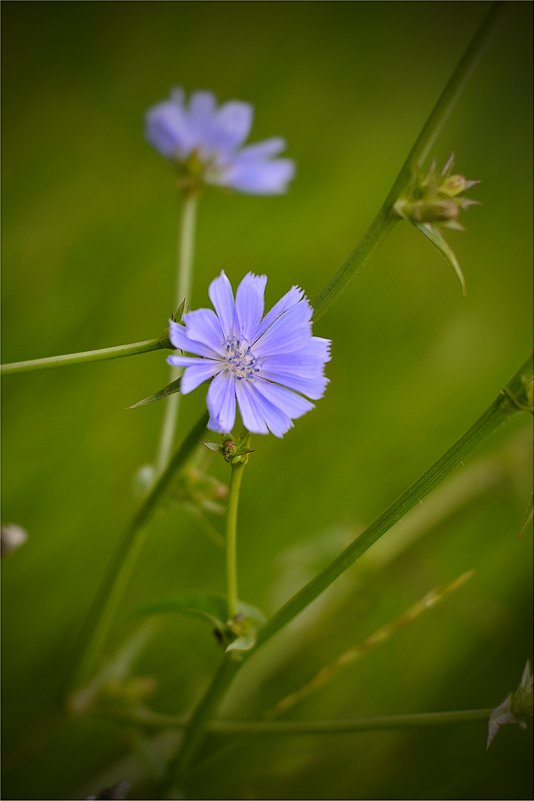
243 643
444 248
177 315
213 446
251 613
170 389
204 605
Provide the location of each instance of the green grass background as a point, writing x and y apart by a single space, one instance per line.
89 236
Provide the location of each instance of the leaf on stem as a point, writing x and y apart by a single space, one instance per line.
236 634
204 605
439 242
170 389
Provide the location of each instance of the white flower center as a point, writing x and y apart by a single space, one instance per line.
239 359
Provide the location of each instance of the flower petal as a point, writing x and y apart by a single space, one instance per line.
313 386
196 374
277 420
288 300
259 176
290 331
249 304
197 371
263 150
201 112
308 361
204 326
222 297
221 402
288 402
180 340
233 122
168 129
250 414
201 107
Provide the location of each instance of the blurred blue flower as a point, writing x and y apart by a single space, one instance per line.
263 364
207 142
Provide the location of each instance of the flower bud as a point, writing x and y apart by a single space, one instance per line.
454 185
428 211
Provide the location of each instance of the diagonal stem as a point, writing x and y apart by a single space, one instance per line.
386 217
500 410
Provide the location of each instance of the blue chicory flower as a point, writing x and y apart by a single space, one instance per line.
266 364
207 141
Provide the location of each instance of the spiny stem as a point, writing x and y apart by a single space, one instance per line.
386 217
231 538
95 630
99 355
183 292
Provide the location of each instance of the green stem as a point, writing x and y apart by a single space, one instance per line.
420 720
503 407
99 355
387 217
183 292
346 726
231 538
94 632
197 725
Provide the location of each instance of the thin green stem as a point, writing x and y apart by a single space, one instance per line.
421 720
156 720
386 217
94 632
183 292
231 538
99 355
197 725
503 407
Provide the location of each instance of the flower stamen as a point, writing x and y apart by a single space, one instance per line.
239 359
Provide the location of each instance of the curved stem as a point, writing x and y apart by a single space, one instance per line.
99 355
231 538
386 217
94 632
183 292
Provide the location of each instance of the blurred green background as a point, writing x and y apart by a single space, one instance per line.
89 236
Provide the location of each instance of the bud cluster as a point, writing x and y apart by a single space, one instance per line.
233 450
436 197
